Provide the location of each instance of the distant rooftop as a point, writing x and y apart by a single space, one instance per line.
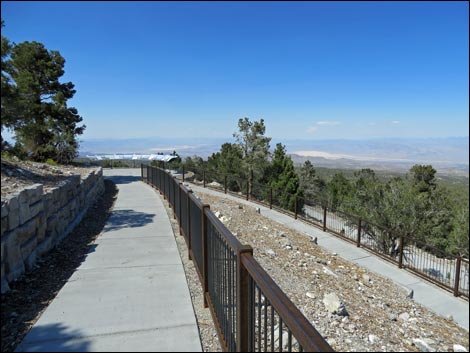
150 157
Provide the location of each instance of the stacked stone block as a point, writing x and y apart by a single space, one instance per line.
33 222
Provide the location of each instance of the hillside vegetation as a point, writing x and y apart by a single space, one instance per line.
420 205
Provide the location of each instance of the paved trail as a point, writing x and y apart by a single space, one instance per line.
130 294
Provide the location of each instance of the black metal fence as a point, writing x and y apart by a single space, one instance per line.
250 312
446 270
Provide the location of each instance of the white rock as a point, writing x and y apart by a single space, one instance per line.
334 305
422 345
404 316
459 348
366 278
271 253
373 339
310 295
329 272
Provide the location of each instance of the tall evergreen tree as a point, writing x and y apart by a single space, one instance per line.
312 185
255 147
281 176
338 190
43 123
7 89
228 162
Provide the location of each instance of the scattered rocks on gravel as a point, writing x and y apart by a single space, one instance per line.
17 174
374 303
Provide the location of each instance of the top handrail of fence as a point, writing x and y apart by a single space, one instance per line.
184 188
307 336
233 242
196 200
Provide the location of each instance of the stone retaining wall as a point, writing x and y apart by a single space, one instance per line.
33 222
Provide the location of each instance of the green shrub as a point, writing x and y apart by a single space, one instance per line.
51 162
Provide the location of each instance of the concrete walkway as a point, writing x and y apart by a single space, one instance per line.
425 293
130 294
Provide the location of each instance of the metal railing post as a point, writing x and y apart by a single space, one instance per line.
164 185
295 216
324 218
359 230
402 247
179 200
270 197
188 213
204 178
205 267
244 292
174 197
183 174
457 276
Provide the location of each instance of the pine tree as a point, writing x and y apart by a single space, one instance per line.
44 125
281 176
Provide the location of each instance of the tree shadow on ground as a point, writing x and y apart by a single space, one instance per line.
30 294
128 219
54 338
123 179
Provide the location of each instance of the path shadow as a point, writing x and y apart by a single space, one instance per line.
54 338
123 179
128 219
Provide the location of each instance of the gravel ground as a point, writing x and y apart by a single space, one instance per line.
17 174
31 294
380 316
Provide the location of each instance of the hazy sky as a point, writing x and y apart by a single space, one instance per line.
314 70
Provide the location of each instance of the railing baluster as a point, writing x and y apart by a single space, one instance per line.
457 276
229 287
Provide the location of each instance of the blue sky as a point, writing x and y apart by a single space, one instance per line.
312 70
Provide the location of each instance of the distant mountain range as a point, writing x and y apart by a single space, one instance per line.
450 153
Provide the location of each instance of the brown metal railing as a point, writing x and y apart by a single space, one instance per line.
446 270
237 290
